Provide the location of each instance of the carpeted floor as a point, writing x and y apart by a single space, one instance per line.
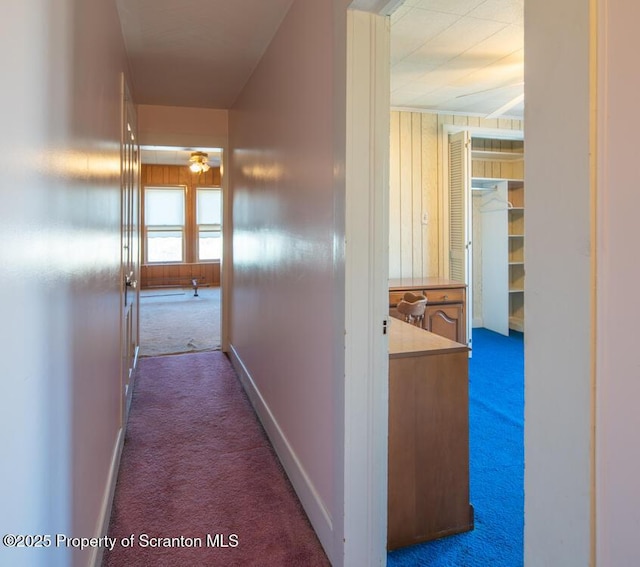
174 321
496 439
196 462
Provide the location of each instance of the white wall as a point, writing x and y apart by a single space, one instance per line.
618 274
59 229
558 311
287 315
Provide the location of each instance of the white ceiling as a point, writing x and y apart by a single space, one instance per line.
176 156
446 55
458 55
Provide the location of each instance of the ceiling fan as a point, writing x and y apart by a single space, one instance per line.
505 107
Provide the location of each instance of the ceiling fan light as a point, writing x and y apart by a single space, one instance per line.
198 162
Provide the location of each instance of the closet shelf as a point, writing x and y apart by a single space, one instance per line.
488 155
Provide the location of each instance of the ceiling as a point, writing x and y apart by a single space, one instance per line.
166 155
196 53
446 55
458 55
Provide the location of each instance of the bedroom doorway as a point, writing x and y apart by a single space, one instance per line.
181 242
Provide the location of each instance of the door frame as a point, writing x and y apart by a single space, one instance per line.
361 443
129 166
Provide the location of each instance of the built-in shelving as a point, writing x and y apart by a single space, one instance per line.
496 156
498 186
516 221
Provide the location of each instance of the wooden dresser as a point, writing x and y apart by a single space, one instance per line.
446 304
428 485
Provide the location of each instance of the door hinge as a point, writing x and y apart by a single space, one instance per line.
384 326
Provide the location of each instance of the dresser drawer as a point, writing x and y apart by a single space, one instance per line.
395 297
444 295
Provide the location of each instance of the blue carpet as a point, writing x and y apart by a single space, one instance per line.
496 439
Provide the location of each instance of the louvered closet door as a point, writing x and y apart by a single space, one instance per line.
459 216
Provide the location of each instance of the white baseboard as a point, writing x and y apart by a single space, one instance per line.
310 499
107 502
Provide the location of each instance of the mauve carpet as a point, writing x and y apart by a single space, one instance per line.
196 461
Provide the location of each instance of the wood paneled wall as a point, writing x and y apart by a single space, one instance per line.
416 245
158 175
413 185
156 275
180 275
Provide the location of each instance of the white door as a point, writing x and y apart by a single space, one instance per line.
495 252
130 256
460 216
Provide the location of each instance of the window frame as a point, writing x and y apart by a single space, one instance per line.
182 229
198 228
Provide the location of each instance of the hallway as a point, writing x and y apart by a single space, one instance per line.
297 272
198 468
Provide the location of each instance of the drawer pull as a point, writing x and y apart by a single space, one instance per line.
445 297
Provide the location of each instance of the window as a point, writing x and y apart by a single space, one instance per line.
164 219
209 223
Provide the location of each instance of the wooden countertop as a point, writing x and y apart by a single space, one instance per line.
422 283
409 340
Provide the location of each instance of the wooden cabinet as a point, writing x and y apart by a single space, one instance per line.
428 486
445 314
445 320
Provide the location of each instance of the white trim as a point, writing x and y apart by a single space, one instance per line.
452 112
366 290
102 529
226 262
310 499
483 132
380 7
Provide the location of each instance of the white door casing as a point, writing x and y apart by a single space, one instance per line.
364 454
130 247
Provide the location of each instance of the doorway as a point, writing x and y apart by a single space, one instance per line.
426 221
181 242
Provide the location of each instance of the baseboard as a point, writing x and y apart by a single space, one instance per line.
310 499
107 502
